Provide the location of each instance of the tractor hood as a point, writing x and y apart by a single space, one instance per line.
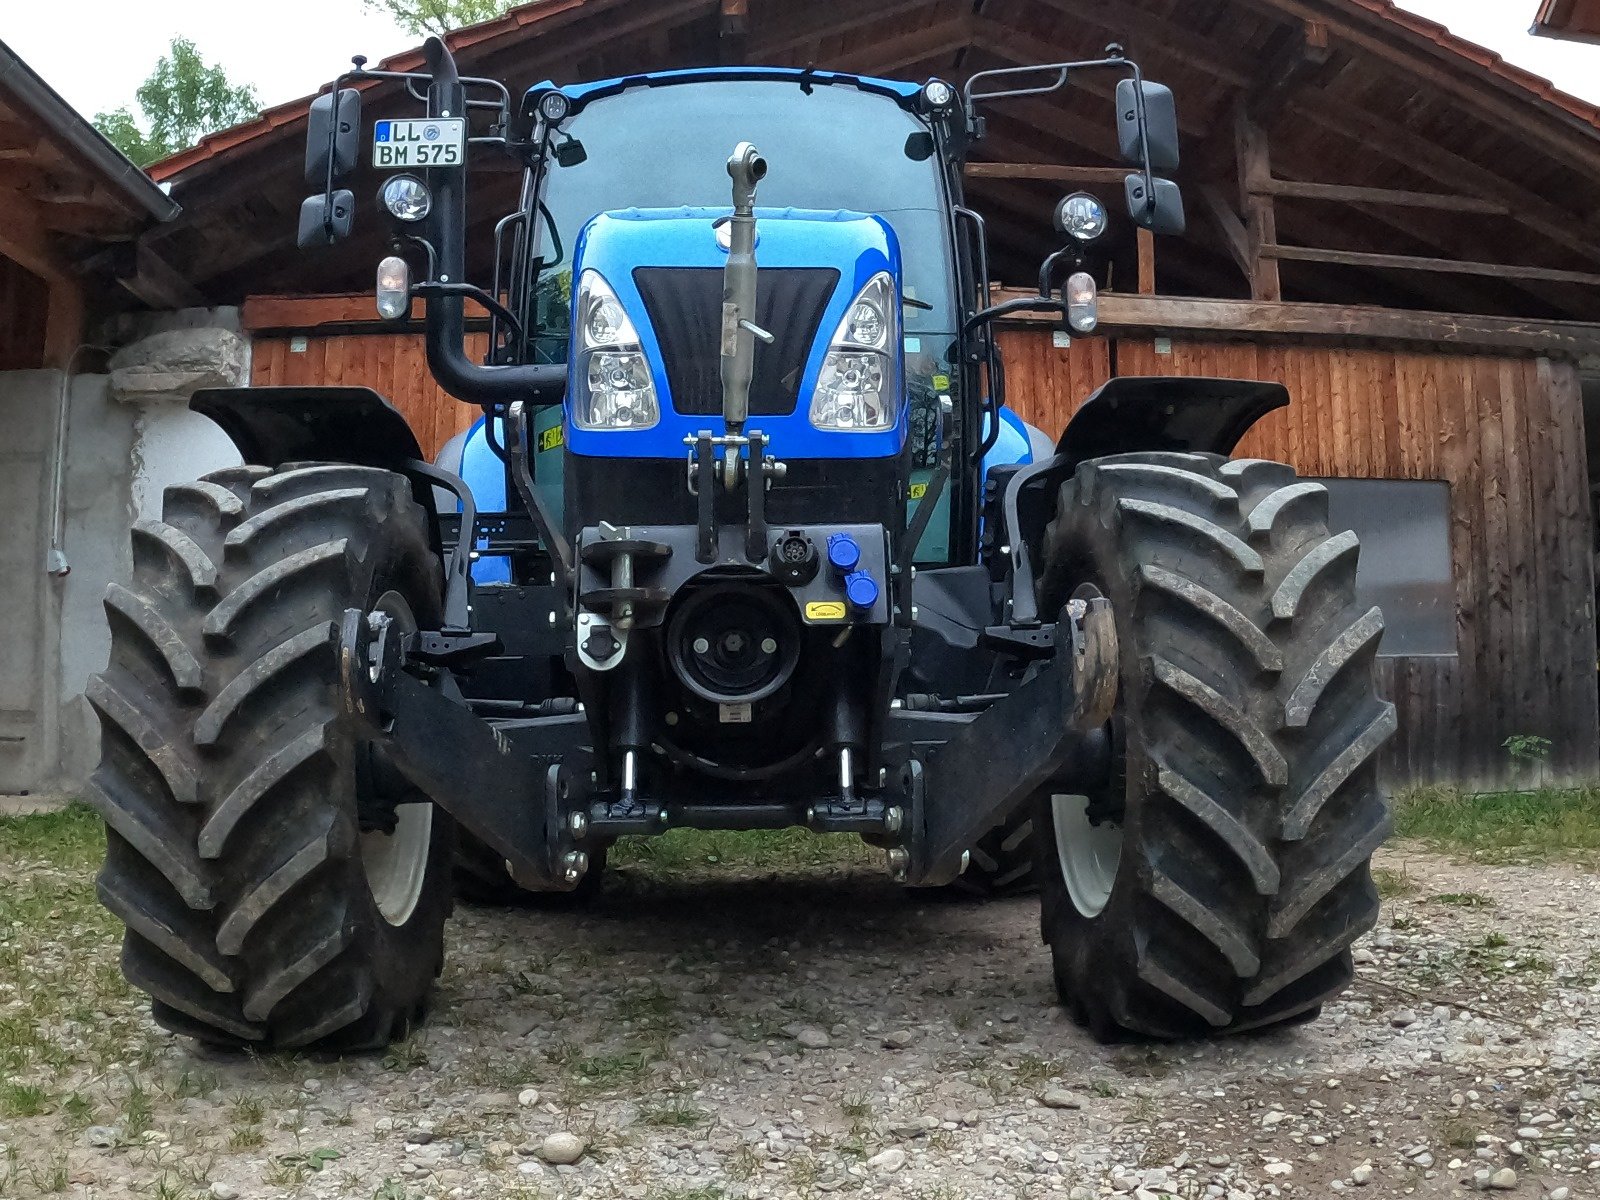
665 267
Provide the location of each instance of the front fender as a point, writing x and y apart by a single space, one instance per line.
1202 416
274 425
1126 416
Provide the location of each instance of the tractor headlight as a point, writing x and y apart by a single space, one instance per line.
406 198
856 387
615 389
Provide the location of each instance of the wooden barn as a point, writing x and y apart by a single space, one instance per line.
1395 223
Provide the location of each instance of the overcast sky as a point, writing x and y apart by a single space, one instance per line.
96 52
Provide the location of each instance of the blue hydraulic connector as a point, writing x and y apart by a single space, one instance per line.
844 555
860 590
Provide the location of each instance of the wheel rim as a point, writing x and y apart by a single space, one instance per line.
1088 853
396 863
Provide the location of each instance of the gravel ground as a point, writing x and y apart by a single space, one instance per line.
718 1032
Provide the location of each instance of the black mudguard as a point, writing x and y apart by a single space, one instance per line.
275 425
1206 416
1125 416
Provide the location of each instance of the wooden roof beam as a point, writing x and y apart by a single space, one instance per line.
1453 78
1059 172
1182 316
798 26
1440 266
1368 132
733 32
1339 193
1137 29
919 45
152 280
1302 49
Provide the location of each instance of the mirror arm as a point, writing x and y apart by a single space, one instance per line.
1144 141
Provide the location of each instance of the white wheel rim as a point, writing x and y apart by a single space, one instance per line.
1088 853
396 864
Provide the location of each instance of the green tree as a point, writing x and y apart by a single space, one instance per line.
182 100
438 17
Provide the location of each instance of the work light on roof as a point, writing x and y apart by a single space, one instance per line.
937 93
553 106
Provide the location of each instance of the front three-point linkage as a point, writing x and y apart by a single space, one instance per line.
743 460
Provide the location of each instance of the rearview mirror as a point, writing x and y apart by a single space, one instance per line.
339 114
325 218
1161 213
1160 131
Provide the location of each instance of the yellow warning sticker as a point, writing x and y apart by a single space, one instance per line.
941 383
825 610
550 438
918 491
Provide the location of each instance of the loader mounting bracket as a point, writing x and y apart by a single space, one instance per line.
1050 729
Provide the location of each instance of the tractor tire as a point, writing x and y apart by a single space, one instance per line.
1219 879
483 881
258 913
1002 863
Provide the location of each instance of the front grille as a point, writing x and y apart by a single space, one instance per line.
685 308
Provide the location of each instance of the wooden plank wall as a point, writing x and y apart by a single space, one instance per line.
24 307
393 364
1507 435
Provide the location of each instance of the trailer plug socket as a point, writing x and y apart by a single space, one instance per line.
794 559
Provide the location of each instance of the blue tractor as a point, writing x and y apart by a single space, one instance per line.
746 538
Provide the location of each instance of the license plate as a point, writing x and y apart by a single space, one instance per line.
441 142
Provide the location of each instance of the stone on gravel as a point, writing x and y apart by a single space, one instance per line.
224 1191
101 1137
1361 1175
561 1149
528 1097
1560 1193
1060 1098
888 1160
1403 1018
718 1041
813 1038
900 1039
1280 1169
1503 1180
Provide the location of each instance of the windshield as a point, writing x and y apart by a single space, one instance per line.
836 147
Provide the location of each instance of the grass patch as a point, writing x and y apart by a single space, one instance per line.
1504 826
70 837
23 1100
766 849
675 1114
1392 883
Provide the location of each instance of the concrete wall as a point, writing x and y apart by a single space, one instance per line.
30 402
128 436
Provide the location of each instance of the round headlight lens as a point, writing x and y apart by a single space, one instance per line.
407 198
1082 217
937 93
553 106
867 326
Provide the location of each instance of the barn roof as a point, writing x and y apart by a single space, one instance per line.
64 190
1386 144
1578 20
